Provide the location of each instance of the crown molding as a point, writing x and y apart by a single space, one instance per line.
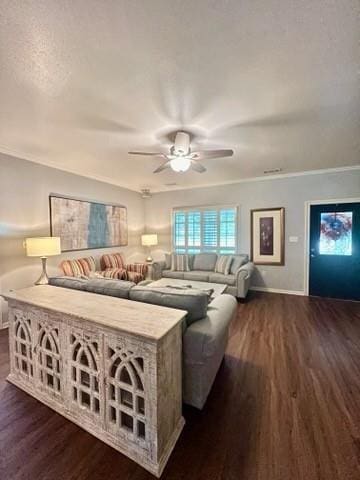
30 158
265 178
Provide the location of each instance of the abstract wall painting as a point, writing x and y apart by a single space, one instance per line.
83 225
335 233
268 236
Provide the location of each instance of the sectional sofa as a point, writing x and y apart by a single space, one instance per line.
205 329
202 269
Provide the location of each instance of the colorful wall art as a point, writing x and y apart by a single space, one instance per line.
85 225
335 233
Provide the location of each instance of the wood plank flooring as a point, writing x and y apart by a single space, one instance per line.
285 406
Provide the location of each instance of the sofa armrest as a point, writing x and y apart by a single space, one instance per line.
243 279
157 268
203 338
245 271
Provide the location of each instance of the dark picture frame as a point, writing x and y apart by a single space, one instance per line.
267 236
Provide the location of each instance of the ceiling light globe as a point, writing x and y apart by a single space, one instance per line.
180 164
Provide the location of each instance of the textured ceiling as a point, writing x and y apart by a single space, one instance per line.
82 82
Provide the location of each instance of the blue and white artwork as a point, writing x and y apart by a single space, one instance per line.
83 224
336 233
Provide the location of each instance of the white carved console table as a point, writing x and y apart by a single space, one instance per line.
109 365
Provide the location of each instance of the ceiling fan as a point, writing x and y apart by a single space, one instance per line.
181 158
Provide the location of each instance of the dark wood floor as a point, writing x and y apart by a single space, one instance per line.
285 406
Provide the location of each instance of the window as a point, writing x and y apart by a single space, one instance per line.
205 229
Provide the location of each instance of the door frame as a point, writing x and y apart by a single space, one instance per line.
308 205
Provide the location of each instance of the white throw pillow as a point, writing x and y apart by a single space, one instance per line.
180 263
223 264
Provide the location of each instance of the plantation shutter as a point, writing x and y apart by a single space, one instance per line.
210 231
205 230
180 232
227 242
194 232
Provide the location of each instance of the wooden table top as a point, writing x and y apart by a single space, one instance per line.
141 319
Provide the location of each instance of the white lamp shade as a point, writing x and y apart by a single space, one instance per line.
42 246
149 240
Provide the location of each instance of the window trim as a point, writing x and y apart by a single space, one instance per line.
201 208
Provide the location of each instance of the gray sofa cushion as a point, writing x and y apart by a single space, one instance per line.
221 278
238 261
195 302
171 274
197 275
203 339
76 283
103 286
114 288
205 261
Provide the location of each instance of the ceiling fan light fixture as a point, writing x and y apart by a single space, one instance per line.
182 144
180 164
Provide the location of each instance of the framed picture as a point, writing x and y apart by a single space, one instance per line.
268 236
84 225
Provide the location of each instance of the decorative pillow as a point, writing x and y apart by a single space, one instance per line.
238 261
112 260
141 268
223 264
78 267
179 263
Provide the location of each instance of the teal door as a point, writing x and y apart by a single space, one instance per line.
335 251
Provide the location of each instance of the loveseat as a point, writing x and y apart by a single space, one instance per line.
112 265
205 328
202 269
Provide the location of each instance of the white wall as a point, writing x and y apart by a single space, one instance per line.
24 212
291 193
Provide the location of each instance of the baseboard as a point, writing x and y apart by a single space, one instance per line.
278 290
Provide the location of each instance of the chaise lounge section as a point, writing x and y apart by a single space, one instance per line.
205 330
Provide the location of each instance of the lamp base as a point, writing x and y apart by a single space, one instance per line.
43 279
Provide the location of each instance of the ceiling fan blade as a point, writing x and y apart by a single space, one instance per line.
205 154
197 167
162 167
150 154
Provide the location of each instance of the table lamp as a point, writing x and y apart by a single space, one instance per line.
42 247
149 240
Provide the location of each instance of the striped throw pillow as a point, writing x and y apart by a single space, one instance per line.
223 264
118 273
112 260
180 263
79 267
140 268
